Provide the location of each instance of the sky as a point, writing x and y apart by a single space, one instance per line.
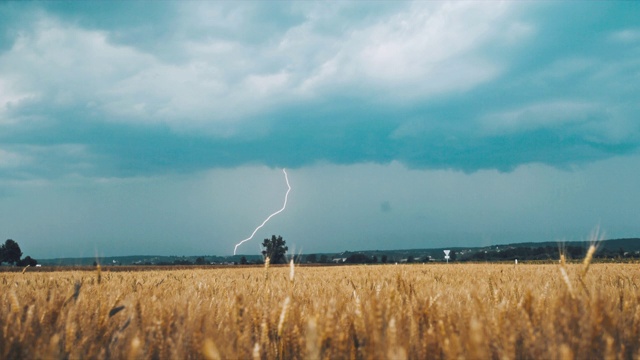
161 128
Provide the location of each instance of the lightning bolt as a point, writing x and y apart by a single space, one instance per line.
286 197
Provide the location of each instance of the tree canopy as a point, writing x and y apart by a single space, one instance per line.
27 261
275 249
10 252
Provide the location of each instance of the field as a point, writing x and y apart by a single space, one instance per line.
446 311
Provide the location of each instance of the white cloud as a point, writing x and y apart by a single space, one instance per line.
591 121
630 35
517 31
64 65
616 125
9 159
10 99
412 44
427 49
540 115
566 67
424 50
29 162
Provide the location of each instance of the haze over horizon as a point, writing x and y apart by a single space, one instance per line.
162 127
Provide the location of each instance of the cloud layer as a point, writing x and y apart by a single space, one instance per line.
97 90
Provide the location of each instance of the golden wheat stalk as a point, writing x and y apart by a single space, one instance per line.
283 315
313 351
267 260
291 270
99 272
566 280
587 259
255 354
210 350
595 238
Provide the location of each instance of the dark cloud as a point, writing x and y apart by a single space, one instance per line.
564 94
127 125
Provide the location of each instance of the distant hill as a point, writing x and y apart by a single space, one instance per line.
530 250
630 244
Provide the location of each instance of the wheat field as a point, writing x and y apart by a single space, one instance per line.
444 311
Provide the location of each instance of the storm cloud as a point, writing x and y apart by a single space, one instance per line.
97 93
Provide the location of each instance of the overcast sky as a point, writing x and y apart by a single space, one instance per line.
162 127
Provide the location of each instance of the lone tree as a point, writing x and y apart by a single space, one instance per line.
10 252
27 261
275 249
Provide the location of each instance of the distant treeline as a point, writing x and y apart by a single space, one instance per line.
545 253
577 250
622 249
540 253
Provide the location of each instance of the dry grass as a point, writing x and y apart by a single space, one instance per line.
363 312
